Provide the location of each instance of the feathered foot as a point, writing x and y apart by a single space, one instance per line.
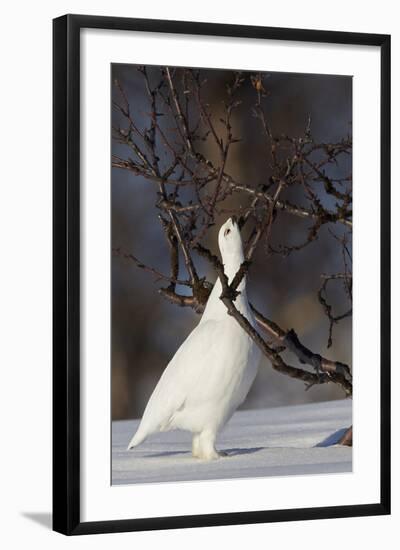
203 446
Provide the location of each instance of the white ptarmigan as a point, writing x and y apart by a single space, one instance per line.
212 371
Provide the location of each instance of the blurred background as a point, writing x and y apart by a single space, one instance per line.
146 329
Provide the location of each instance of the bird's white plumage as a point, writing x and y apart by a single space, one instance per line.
212 371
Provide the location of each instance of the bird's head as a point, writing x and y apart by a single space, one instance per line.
230 242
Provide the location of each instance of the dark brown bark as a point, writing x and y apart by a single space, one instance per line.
347 438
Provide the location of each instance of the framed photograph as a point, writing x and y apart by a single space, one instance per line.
221 274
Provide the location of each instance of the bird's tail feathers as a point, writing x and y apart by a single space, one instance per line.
137 439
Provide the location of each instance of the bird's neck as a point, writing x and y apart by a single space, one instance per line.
232 266
215 309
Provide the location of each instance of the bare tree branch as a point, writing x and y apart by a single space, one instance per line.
195 186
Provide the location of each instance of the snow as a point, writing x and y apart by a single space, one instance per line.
280 441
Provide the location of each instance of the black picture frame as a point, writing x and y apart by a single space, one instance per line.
66 273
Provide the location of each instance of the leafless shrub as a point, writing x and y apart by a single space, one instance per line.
183 148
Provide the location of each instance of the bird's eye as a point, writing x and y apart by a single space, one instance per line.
227 231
